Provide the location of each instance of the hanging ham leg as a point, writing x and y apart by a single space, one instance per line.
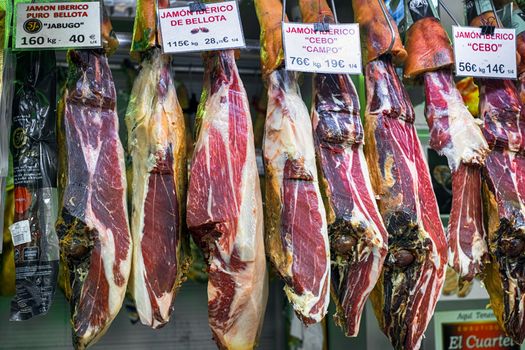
410 284
297 237
225 213
358 237
296 228
156 136
95 241
157 145
504 197
93 227
407 292
455 134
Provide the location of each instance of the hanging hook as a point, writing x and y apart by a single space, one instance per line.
387 19
157 41
324 26
284 10
498 21
334 11
442 4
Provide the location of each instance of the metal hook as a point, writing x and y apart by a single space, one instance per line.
157 41
442 4
498 21
284 10
334 11
392 31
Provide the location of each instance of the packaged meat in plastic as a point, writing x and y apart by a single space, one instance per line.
34 149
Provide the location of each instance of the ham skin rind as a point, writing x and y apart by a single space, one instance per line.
156 137
95 240
410 284
375 31
224 208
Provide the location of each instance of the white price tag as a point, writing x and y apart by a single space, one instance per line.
217 27
20 232
485 56
335 51
58 25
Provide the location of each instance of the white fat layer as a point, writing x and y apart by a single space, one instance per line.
468 144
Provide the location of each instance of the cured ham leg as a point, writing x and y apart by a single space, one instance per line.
93 228
358 237
157 145
406 294
412 277
156 135
503 196
225 213
95 240
296 228
297 237
455 134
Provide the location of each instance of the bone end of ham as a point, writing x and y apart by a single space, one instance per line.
375 32
428 48
270 20
225 214
414 271
157 147
95 240
297 237
358 237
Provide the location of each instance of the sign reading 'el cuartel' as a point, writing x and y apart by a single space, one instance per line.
216 27
470 330
58 25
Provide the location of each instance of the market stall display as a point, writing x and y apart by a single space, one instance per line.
347 207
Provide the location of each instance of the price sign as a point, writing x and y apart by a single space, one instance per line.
337 50
58 25
217 27
485 56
